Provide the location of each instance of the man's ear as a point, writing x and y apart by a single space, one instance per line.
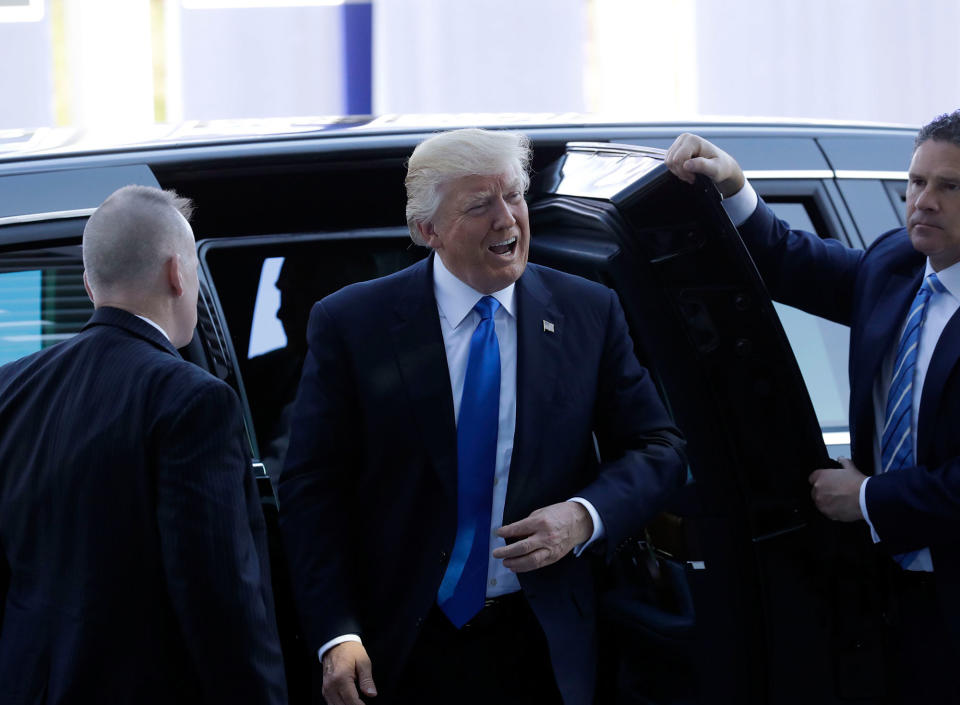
430 235
174 275
86 285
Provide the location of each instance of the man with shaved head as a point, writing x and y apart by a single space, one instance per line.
129 519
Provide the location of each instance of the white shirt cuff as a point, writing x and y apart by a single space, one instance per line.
336 642
741 205
598 532
863 510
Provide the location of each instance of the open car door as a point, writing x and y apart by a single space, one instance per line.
742 592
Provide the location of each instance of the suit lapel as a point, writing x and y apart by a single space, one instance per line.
418 344
942 362
538 355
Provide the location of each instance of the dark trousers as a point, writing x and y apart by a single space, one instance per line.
500 656
924 662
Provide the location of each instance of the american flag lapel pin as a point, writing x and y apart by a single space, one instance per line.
548 326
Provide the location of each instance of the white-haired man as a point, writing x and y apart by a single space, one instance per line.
442 479
131 524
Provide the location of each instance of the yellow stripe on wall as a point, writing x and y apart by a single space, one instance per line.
158 46
62 92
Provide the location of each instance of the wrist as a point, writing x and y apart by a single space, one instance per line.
583 523
733 185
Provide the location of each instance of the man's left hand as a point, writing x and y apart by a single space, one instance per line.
836 491
546 536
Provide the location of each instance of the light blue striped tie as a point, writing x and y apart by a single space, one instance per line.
896 441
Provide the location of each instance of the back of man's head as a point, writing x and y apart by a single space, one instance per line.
129 237
943 128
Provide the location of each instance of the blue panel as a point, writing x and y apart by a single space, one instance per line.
67 190
358 57
19 314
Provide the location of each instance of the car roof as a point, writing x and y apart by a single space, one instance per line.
61 173
32 144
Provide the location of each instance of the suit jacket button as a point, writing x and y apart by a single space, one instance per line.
443 557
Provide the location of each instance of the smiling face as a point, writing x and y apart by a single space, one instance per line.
933 202
481 231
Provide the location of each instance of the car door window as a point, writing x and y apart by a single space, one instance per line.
42 300
266 292
897 191
820 347
266 330
868 203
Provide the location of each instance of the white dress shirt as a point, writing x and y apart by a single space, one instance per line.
940 308
147 320
458 320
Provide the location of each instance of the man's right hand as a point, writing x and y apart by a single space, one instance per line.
690 155
346 674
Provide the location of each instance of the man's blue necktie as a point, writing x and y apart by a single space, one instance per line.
464 584
896 441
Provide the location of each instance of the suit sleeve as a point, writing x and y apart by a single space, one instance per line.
216 579
915 507
801 269
315 490
643 451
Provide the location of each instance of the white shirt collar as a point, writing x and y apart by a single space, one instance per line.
949 277
147 320
456 299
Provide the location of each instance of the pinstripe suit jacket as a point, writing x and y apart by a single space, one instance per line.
131 529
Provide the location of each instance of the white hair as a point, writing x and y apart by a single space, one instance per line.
451 155
131 234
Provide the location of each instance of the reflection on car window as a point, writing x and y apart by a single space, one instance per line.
19 314
898 195
266 331
819 345
42 300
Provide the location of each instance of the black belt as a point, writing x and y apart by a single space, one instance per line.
498 608
501 601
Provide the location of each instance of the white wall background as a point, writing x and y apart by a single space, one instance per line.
886 60
26 82
643 58
875 60
254 62
110 62
434 56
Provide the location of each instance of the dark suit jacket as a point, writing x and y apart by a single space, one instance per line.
132 527
871 292
368 495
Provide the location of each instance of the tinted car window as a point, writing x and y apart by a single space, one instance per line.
820 347
266 293
897 191
866 199
42 300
